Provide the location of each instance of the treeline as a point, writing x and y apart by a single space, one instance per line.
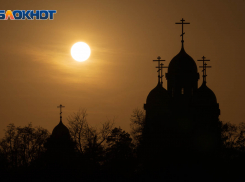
107 153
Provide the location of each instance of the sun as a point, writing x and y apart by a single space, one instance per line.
80 51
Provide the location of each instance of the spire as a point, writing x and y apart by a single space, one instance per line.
60 106
160 66
204 69
182 35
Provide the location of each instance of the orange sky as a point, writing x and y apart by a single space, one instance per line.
37 72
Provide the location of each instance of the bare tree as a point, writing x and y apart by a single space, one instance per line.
22 145
78 127
233 136
85 135
137 124
240 143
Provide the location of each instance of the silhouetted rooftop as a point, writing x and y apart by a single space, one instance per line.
204 96
61 131
182 63
158 96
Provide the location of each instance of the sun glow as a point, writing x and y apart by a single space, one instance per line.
80 51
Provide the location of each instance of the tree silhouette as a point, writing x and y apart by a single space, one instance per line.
110 154
78 127
22 145
86 136
119 159
233 136
137 124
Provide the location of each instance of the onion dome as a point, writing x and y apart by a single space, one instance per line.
182 62
204 96
158 96
61 131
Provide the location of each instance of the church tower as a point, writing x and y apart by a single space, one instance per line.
206 116
182 117
61 132
182 77
157 105
60 160
182 83
60 144
157 123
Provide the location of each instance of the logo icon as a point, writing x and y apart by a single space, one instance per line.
27 14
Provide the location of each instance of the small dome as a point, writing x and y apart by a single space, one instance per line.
204 96
158 96
182 62
61 131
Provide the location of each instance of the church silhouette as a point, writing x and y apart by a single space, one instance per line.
182 121
181 131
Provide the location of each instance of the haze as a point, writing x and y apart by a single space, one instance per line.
37 72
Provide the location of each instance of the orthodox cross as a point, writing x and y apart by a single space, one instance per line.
182 35
60 106
160 70
160 66
204 66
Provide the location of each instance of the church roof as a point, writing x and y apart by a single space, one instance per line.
158 96
61 131
182 63
204 96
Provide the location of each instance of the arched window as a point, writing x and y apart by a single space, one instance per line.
182 91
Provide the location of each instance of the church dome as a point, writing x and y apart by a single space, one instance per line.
61 131
158 96
204 96
182 62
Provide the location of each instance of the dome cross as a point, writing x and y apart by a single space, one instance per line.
204 70
160 66
60 106
182 35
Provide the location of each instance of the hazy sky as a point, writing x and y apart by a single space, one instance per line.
37 72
